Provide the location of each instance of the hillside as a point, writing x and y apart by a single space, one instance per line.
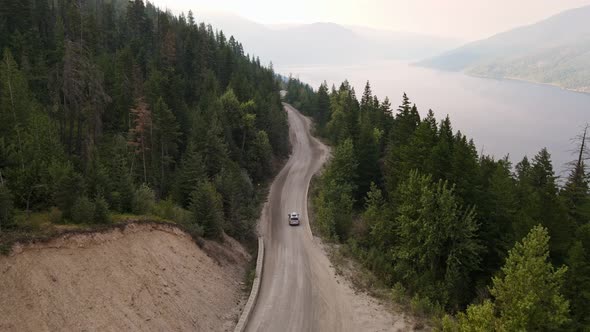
142 278
117 107
324 42
553 51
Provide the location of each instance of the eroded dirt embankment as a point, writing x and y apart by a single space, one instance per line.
144 277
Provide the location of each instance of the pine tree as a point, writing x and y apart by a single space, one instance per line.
344 122
236 189
441 156
335 200
416 155
323 108
526 199
577 285
406 121
527 295
14 102
464 168
368 153
437 247
168 134
191 173
101 211
498 215
576 194
214 149
366 101
6 206
258 157
207 208
140 133
69 188
550 211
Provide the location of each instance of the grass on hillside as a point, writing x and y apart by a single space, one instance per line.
46 225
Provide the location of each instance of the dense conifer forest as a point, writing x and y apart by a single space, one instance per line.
414 201
112 106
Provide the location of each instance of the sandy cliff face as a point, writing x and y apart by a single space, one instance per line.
142 278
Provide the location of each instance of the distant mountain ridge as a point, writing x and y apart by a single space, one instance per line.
324 42
553 51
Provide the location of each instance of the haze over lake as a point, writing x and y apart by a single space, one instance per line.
502 116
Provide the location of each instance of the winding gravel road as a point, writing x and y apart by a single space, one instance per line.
299 291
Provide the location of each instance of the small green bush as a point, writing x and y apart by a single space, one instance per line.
167 209
398 293
82 211
6 207
164 209
5 249
101 211
29 222
181 215
144 200
449 324
207 210
423 306
195 230
115 201
68 191
250 276
55 215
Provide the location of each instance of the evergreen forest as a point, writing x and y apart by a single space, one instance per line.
113 107
505 247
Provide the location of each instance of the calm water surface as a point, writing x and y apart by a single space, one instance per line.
502 116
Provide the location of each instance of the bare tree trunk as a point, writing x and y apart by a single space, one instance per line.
1 183
143 157
81 21
70 133
16 125
152 150
132 166
79 135
161 167
582 146
28 211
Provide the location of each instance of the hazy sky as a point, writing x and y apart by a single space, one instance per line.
466 19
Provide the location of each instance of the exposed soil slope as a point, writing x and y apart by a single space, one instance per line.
142 278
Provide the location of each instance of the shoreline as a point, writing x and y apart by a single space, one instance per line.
522 80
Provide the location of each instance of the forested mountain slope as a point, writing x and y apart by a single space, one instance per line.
410 197
553 51
117 106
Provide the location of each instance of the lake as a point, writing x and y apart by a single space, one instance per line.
502 116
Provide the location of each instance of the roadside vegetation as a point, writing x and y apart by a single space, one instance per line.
114 109
472 241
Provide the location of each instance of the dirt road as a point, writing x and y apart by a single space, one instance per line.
299 290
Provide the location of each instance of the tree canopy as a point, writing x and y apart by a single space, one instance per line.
433 218
103 100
